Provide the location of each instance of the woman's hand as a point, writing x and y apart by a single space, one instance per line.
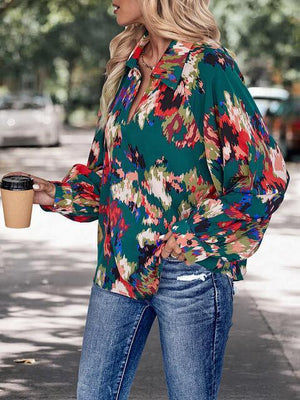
171 248
44 191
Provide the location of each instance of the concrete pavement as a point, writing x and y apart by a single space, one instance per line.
42 317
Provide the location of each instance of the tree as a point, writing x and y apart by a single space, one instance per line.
44 31
63 45
264 34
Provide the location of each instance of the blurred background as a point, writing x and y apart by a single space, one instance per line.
52 60
59 48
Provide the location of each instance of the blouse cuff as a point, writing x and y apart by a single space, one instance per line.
63 198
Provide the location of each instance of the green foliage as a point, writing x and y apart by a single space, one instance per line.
63 45
265 35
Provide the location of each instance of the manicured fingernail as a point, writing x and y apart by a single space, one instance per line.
35 186
162 236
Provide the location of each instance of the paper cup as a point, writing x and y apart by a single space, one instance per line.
17 200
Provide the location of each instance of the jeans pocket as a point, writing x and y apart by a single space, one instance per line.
231 283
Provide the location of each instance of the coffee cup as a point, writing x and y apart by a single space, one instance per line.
17 200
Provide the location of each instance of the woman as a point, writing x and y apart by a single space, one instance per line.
183 178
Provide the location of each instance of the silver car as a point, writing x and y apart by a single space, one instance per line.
269 100
29 120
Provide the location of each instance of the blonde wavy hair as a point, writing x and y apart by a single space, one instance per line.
182 20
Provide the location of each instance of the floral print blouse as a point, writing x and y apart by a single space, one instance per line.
196 159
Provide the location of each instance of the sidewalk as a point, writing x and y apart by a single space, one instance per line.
255 366
43 314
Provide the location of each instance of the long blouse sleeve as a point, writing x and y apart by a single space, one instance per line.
246 167
77 195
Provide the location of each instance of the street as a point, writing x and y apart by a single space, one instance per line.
46 273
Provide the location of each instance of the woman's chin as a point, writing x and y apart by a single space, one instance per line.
125 22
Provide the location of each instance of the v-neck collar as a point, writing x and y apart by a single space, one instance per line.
169 67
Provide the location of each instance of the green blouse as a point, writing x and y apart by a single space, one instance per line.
196 159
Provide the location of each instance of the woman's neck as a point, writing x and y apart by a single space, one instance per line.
155 48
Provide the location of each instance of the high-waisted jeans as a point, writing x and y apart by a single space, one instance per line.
194 311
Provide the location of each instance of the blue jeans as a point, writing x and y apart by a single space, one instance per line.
194 311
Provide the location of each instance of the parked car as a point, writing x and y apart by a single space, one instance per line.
286 125
29 120
269 101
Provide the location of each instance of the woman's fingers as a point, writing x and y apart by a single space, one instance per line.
23 174
166 236
15 173
40 184
45 186
172 248
164 253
